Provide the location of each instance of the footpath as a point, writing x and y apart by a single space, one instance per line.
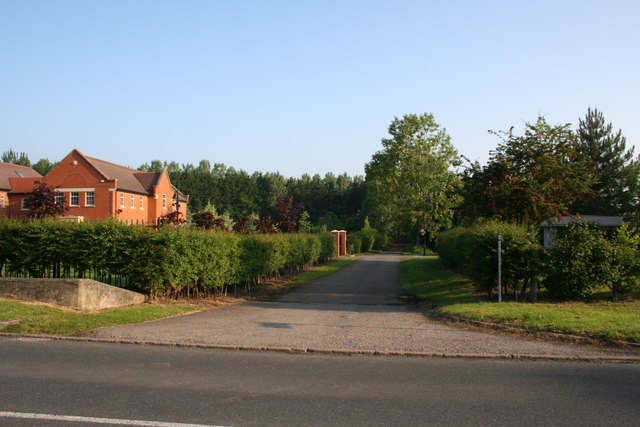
359 309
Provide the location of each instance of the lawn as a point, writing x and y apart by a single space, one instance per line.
428 280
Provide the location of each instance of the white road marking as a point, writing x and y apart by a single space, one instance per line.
77 419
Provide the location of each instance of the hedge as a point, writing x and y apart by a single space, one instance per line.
474 250
171 260
583 260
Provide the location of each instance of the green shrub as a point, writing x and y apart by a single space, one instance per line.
474 250
328 248
381 241
354 242
170 260
580 261
368 235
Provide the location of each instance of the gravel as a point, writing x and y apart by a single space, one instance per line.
359 308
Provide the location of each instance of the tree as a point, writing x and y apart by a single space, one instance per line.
287 213
208 221
411 183
529 178
43 166
16 158
209 218
174 218
612 167
41 203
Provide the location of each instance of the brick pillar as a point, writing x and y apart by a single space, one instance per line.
343 242
336 236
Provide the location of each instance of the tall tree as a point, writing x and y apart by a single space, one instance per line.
612 166
411 182
43 166
16 158
529 177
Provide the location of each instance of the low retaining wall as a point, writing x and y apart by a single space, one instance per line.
81 294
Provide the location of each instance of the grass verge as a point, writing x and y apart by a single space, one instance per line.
43 319
25 318
428 280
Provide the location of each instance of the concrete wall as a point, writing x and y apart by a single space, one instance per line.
81 294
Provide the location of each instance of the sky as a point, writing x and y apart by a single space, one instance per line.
303 86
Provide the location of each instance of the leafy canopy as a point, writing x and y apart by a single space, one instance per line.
411 183
529 177
41 203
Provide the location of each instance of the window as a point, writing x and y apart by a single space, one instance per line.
90 198
59 199
2 201
122 200
24 204
133 202
141 202
164 201
75 199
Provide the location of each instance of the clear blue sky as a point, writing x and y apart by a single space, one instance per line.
301 86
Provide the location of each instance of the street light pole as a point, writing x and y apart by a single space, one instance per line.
177 203
499 267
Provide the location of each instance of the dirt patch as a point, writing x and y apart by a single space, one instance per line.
264 291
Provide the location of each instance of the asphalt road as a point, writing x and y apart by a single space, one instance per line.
358 308
46 382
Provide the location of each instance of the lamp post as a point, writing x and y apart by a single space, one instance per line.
499 267
428 201
177 203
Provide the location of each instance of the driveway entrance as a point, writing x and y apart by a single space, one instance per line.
357 308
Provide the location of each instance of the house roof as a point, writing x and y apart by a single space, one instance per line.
9 170
24 185
181 197
128 179
602 221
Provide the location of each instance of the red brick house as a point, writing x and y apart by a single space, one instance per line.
97 189
15 182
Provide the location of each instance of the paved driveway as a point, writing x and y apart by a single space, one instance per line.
357 308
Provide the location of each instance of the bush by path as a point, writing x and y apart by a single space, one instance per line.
168 261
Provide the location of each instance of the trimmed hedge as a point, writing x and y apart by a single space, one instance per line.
170 260
474 250
583 260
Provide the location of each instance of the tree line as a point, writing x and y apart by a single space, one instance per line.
418 181
332 201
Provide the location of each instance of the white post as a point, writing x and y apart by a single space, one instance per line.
499 267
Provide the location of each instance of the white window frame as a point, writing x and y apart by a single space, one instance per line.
76 195
164 201
59 198
122 204
132 203
93 198
3 201
141 202
23 206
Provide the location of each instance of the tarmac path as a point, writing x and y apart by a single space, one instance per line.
358 308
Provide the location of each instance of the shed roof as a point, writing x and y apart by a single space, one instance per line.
600 220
